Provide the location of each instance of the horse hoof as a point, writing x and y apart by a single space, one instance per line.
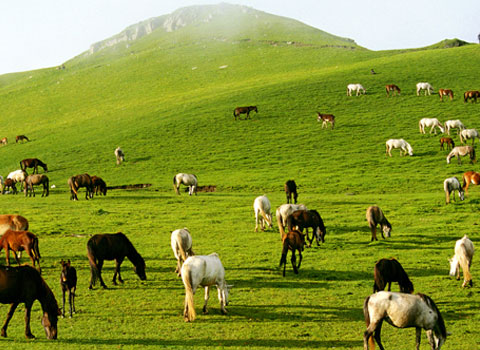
29 336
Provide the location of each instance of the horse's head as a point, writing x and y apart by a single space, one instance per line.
461 194
49 323
224 292
139 269
387 230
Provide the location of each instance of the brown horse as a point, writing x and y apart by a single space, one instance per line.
445 92
293 240
21 138
244 110
18 241
68 282
471 95
448 141
325 119
24 284
99 185
305 219
112 247
4 141
375 217
387 271
14 222
34 180
9 183
468 178
392 87
33 163
77 181
291 189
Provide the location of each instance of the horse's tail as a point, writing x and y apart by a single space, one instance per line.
175 184
420 126
465 262
36 251
181 250
472 155
464 178
280 223
366 314
93 264
189 312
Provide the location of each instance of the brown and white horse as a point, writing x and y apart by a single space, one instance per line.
445 92
4 141
448 141
394 88
468 178
471 95
376 217
325 119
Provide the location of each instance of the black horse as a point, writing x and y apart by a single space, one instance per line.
68 282
291 189
388 271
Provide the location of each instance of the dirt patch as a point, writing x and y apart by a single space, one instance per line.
129 187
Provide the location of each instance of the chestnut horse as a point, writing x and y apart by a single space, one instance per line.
4 141
77 181
471 95
293 240
291 189
448 141
17 241
445 92
326 118
387 271
394 88
468 178
305 219
21 138
244 110
99 185
33 163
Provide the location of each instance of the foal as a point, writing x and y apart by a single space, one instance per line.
294 240
291 189
68 282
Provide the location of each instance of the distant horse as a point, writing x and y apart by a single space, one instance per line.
18 176
398 143
99 185
21 138
24 284
13 222
430 122
325 119
189 180
448 141
119 155
304 219
9 184
2 184
375 217
244 110
454 124
4 141
204 271
17 241
262 209
293 240
181 242
394 88
283 212
355 87
387 271
424 86
464 251
116 247
468 178
445 92
77 181
33 163
403 311
68 282
451 185
34 180
471 95
291 189
460 151
466 134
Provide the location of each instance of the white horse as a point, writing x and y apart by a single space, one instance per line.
424 86
181 242
403 310
466 134
18 176
454 124
451 185
463 258
189 180
262 209
430 123
205 271
355 87
398 143
460 151
119 155
283 212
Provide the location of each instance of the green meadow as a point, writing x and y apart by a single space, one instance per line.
165 100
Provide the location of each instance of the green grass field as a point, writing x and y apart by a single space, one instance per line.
167 103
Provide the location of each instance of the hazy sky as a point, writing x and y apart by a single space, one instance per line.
44 33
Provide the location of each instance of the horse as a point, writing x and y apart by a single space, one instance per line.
325 119
77 181
293 240
33 163
99 185
466 134
471 95
304 219
4 141
403 310
116 247
24 284
387 271
454 124
189 180
291 189
355 87
468 178
283 212
460 151
2 185
18 176
13 222
68 282
17 241
204 271
21 138
376 217
450 185
445 92
262 208
181 242
244 110
448 141
9 183
394 88
119 155
464 251
432 123
34 180
398 143
424 86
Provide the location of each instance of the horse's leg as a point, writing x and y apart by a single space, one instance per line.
377 336
118 262
374 232
300 259
294 261
207 295
13 307
28 310
7 256
73 290
418 337
99 269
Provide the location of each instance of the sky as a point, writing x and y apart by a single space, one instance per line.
45 33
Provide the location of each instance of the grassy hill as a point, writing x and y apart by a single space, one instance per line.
167 99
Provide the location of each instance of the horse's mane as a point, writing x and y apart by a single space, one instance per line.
431 304
133 254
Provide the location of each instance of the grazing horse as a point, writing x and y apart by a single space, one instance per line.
21 138
119 155
204 271
99 185
466 134
387 271
445 92
304 219
454 124
24 284
375 217
9 183
4 141
68 282
17 241
394 88
33 163
181 242
283 212
291 189
471 95
448 141
325 119
262 209
189 180
460 151
116 247
77 181
464 251
398 143
293 240
18 176
430 122
244 110
468 178
403 310
424 86
34 180
355 87
450 185
13 222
